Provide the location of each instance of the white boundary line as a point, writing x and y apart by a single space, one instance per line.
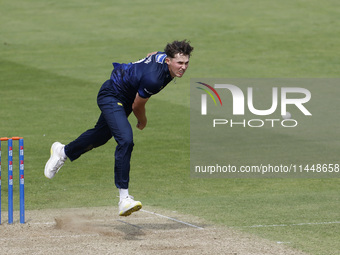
296 224
173 219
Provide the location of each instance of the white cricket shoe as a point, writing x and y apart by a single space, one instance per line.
56 160
128 206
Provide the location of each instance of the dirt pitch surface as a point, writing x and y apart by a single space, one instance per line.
149 231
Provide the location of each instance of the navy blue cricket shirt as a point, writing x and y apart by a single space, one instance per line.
147 76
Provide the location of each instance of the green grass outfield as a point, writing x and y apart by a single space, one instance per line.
54 56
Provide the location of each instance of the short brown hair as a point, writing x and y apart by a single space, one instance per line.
182 47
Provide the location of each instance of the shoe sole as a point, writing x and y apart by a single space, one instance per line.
131 210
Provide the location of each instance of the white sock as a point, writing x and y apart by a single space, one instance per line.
62 152
123 193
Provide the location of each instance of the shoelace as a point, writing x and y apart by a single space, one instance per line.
128 197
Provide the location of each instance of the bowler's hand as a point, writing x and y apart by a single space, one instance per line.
141 125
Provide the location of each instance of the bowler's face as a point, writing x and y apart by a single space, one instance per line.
178 65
